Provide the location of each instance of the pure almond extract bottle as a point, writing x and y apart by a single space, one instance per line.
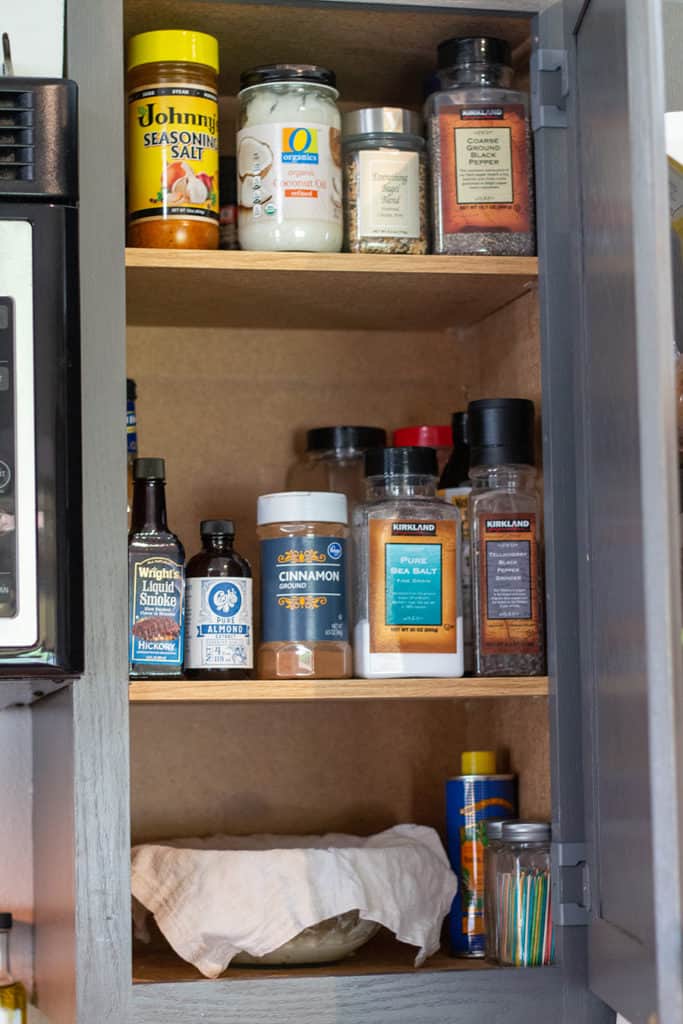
156 579
219 640
505 531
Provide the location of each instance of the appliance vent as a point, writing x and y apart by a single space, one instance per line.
16 136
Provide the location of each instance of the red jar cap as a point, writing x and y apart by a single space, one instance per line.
423 437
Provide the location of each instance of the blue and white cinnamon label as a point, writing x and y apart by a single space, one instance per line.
303 590
219 623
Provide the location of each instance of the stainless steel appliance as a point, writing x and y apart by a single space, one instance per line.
41 570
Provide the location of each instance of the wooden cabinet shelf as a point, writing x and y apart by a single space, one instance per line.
321 291
382 955
185 691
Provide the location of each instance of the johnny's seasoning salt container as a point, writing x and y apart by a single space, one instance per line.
173 140
304 602
156 579
407 571
506 540
471 799
219 637
480 153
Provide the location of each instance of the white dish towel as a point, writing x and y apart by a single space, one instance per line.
215 897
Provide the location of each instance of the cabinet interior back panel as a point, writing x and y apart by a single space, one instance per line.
228 409
380 55
349 767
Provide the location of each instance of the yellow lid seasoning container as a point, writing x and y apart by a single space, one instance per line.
173 140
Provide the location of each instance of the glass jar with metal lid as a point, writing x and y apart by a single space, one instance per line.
385 181
289 174
524 923
494 841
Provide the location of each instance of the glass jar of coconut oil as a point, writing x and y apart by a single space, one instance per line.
289 166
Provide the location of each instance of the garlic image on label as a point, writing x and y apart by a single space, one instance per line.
289 169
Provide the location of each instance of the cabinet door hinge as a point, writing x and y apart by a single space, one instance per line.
549 88
571 884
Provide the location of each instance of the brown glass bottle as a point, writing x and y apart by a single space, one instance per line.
219 619
156 580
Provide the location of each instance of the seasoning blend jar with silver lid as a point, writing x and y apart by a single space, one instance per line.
524 920
289 173
385 181
480 153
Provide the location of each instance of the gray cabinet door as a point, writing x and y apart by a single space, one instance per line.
627 505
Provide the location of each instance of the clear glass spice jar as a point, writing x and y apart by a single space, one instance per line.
385 181
505 535
333 460
480 153
173 140
289 162
524 920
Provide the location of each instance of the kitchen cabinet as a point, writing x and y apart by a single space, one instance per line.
234 353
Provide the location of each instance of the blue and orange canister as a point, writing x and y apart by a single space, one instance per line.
472 798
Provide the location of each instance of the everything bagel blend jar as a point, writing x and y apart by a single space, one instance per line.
304 603
173 140
289 164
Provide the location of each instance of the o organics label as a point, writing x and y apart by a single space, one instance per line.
300 146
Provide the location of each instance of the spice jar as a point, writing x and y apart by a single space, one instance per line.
408 616
385 181
505 532
334 460
426 436
173 140
304 607
289 159
480 153
524 922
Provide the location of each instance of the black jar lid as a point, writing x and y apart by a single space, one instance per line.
149 469
401 462
217 528
267 73
323 439
460 429
6 921
131 390
501 432
463 50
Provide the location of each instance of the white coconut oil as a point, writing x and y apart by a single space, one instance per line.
289 160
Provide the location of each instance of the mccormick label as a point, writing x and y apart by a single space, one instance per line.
508 583
303 590
470 801
413 586
156 610
289 171
485 168
219 623
173 153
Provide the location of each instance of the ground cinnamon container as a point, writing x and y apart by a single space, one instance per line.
173 140
304 605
